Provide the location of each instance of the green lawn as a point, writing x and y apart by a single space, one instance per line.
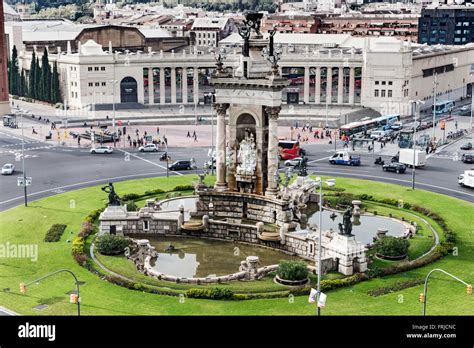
22 225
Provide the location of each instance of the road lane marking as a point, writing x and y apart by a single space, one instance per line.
148 161
393 179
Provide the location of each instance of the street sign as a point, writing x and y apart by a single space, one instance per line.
312 295
442 125
322 300
23 181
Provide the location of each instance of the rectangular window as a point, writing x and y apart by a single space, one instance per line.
89 68
383 93
90 84
389 93
96 68
103 84
97 84
146 225
376 93
376 82
390 83
102 68
383 83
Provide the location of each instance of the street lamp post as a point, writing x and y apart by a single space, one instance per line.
113 111
416 111
329 182
212 96
425 289
20 111
435 84
472 109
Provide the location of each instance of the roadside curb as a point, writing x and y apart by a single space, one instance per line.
9 312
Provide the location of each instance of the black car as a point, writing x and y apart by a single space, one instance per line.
467 146
468 158
182 165
396 167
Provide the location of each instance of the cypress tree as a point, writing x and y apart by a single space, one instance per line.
14 74
32 77
55 92
45 77
38 85
23 84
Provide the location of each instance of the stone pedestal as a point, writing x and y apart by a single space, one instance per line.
349 252
221 184
108 217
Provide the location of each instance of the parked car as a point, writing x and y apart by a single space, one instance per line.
396 167
467 146
8 169
295 162
182 165
468 158
102 149
148 148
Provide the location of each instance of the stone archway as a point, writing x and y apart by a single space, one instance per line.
128 90
245 123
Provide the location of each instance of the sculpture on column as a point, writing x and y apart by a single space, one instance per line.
345 228
273 53
247 156
219 56
114 199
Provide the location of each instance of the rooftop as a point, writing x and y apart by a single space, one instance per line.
207 22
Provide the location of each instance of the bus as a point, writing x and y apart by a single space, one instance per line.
289 149
442 107
385 122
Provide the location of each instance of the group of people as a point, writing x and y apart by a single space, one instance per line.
307 133
194 136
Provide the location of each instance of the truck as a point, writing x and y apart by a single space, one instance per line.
405 156
467 178
343 157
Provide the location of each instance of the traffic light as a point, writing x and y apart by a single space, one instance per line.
469 289
421 298
23 288
73 298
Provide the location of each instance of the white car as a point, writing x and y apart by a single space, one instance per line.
148 148
8 169
466 108
295 162
102 149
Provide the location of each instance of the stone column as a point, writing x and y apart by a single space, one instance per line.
173 85
162 86
329 85
151 87
184 79
351 85
273 113
340 85
221 183
196 86
317 99
306 85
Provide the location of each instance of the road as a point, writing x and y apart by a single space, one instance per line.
57 169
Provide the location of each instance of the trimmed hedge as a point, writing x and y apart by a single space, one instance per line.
54 233
109 244
78 246
184 188
391 246
292 270
212 293
131 206
395 287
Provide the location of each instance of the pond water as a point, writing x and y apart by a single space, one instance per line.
196 257
173 204
365 232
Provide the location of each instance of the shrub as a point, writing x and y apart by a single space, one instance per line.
109 244
81 259
345 199
331 284
86 229
391 246
211 293
78 246
54 233
395 287
184 188
131 206
292 270
94 215
130 196
154 192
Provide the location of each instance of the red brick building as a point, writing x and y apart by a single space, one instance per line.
4 101
291 23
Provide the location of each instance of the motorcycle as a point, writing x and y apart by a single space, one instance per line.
379 160
165 157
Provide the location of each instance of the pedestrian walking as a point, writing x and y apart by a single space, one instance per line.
194 134
165 140
158 130
195 139
189 135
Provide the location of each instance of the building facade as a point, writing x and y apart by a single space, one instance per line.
4 98
446 25
384 74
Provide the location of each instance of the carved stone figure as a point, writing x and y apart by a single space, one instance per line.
346 227
114 199
247 156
